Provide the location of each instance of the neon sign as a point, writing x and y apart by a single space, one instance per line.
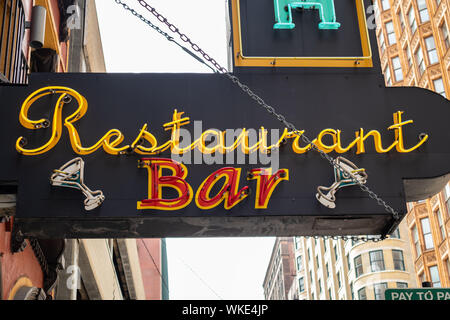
146 143
229 193
283 13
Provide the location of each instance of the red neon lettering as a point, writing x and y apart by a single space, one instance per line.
229 192
156 181
266 184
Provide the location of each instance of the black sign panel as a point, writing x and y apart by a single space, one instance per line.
260 39
336 36
128 101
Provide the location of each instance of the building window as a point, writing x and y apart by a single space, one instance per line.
13 64
408 56
431 48
419 60
427 236
378 290
423 11
349 265
441 225
390 33
402 21
439 86
310 276
416 241
335 253
412 20
376 260
329 294
351 291
387 75
358 266
396 234
402 285
339 279
385 4
299 263
381 41
445 35
362 294
447 265
297 242
397 256
320 286
398 74
434 273
301 284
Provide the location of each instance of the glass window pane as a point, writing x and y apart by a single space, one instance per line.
362 294
434 273
423 11
358 266
396 234
301 284
399 263
425 225
431 48
412 20
439 86
447 191
390 32
440 223
385 4
416 241
299 263
378 290
376 260
426 230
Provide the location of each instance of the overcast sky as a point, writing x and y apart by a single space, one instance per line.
211 268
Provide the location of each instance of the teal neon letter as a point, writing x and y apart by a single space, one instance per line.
283 13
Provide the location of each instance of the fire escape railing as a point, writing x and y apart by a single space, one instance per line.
13 63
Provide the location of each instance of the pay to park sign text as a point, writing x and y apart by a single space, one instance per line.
418 294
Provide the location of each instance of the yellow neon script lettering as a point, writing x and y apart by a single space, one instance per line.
108 146
146 143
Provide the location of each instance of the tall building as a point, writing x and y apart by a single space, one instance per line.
281 270
414 43
413 39
429 228
328 269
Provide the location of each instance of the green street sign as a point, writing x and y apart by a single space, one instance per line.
418 294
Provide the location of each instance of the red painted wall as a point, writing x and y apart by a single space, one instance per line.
14 266
150 276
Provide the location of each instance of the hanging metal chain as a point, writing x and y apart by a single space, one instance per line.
263 104
161 32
